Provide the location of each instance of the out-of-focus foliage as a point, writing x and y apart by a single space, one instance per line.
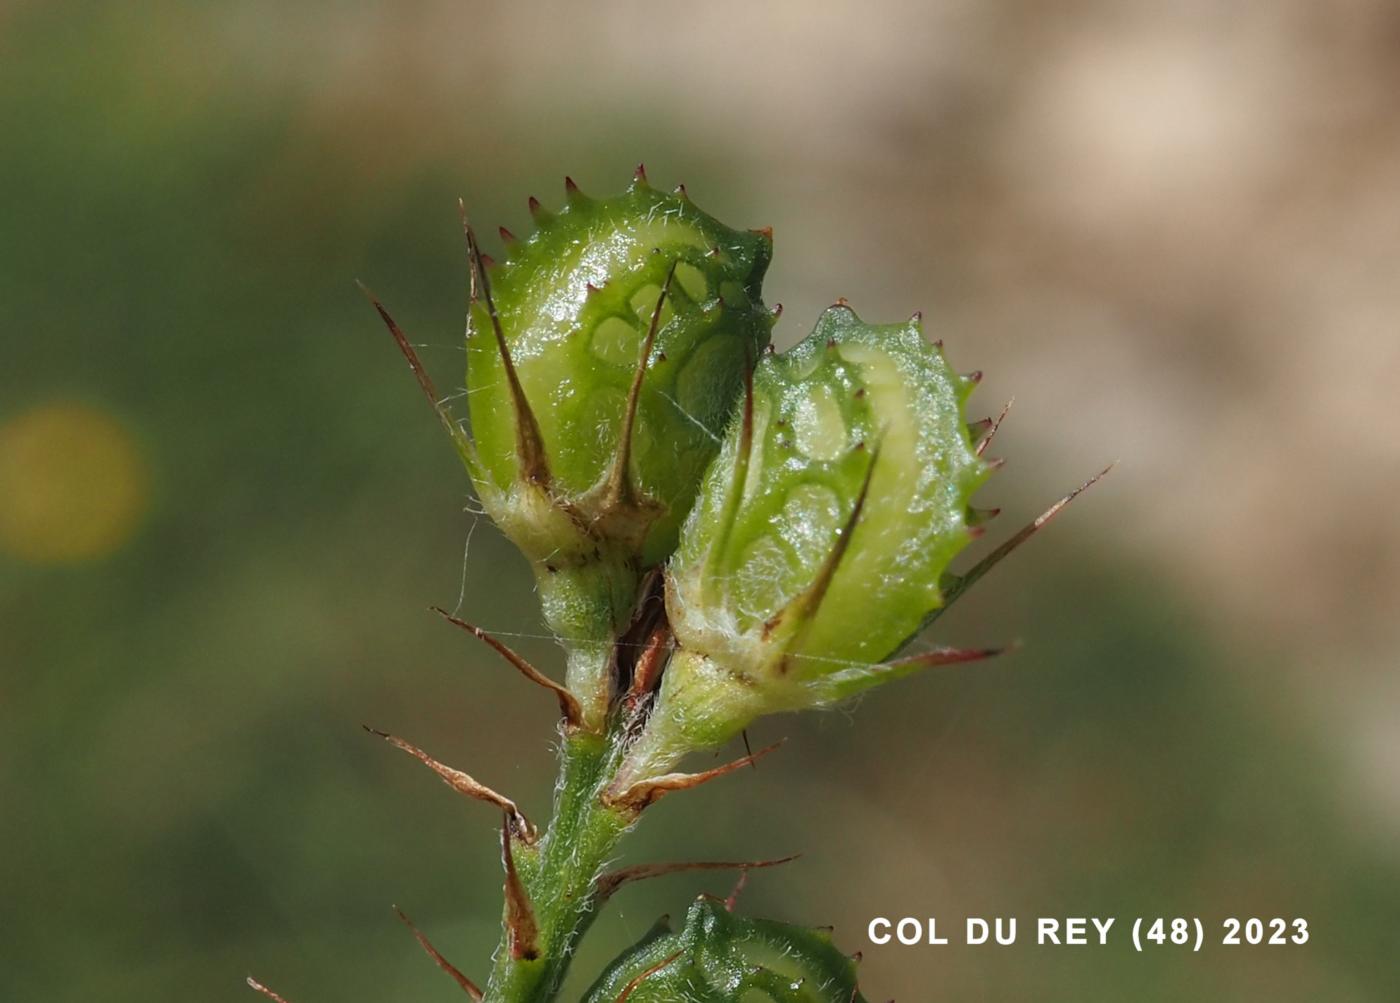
188 192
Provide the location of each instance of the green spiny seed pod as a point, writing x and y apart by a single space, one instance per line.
719 957
819 544
605 354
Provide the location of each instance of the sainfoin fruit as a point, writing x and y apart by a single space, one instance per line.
719 532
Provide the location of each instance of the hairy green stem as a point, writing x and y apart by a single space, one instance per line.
559 873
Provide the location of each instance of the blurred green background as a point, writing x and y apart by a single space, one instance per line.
1171 231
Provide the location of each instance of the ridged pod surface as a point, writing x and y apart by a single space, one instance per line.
823 530
605 354
719 957
575 301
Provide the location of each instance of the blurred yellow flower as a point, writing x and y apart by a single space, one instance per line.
73 484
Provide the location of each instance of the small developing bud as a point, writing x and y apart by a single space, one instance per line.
719 955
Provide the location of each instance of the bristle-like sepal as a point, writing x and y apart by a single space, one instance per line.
468 986
607 884
569 706
788 627
621 493
465 448
464 783
257 986
643 793
992 427
529 444
966 581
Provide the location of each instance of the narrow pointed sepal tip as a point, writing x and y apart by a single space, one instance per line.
992 427
463 783
257 986
639 176
607 884
569 706
621 495
506 235
529 443
998 555
949 656
646 792
468 986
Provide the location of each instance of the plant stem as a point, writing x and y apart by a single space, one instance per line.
558 873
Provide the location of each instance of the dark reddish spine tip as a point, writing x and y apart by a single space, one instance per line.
777 310
534 205
974 377
487 261
680 190
766 232
570 185
506 235
640 174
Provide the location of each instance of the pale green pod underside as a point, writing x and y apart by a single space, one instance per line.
719 957
575 300
851 394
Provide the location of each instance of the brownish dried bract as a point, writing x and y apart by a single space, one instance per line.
647 673
609 883
258 986
520 916
568 703
529 443
464 784
632 986
468 986
646 792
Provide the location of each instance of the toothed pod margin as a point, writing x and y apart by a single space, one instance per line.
589 455
724 958
817 546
